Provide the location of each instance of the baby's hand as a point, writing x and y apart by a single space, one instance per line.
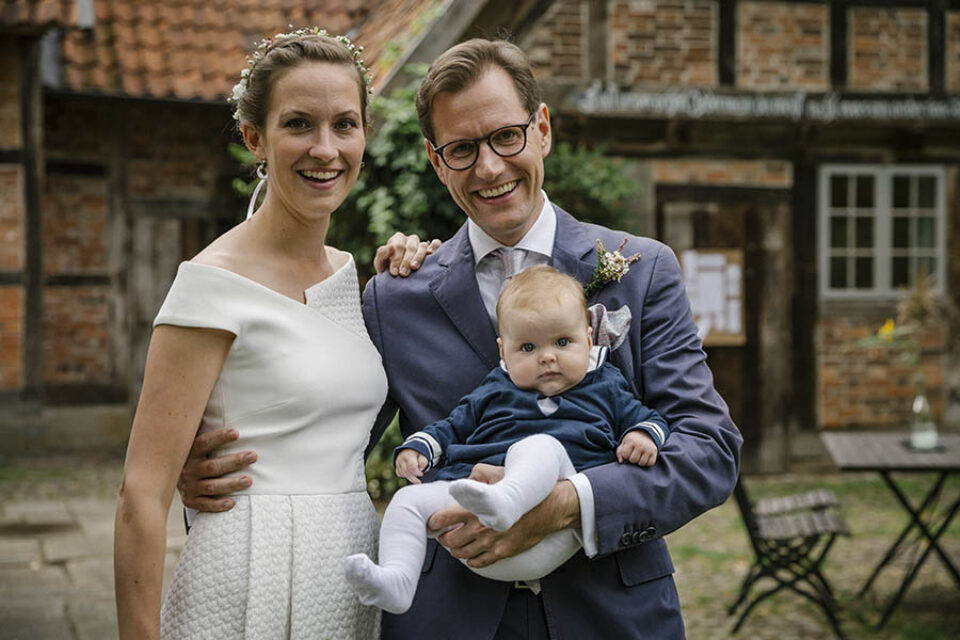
410 465
637 447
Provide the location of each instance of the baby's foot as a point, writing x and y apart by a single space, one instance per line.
493 504
383 587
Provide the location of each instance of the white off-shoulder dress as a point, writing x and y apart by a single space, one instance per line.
302 384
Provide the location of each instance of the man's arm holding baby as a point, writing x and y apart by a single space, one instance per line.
481 546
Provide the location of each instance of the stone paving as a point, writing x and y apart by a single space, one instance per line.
56 555
56 574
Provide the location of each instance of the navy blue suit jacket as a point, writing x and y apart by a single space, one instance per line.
438 343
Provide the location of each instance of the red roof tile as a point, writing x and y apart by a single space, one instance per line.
195 49
36 15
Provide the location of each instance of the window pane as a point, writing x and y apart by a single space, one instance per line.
864 233
901 272
865 191
838 191
901 232
926 266
838 232
864 273
926 191
926 230
901 191
838 273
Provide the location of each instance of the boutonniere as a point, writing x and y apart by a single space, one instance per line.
611 265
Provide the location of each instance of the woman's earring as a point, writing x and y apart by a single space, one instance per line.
262 174
362 164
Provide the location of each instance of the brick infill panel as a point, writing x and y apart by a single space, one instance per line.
716 172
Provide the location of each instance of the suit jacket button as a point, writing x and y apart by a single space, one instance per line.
637 538
626 539
648 534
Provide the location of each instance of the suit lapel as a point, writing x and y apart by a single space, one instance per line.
572 247
455 290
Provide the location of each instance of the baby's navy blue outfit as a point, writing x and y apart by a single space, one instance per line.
588 419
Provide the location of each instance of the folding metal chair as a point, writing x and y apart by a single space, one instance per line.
791 537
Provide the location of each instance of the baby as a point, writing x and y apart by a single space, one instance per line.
554 407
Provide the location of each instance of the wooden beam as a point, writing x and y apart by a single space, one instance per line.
32 135
838 44
598 26
727 44
803 232
936 47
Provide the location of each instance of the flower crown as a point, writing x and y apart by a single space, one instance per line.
263 47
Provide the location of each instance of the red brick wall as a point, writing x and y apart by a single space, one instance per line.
888 49
176 152
870 387
11 338
75 233
783 45
952 44
744 173
76 340
664 42
11 217
10 134
557 44
77 129
173 152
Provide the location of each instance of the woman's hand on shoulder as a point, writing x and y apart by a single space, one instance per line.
403 254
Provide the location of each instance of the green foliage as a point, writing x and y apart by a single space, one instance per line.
398 190
382 481
589 184
242 155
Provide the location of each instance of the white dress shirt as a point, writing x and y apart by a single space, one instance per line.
536 247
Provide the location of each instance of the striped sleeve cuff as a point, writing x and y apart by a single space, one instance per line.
425 444
654 430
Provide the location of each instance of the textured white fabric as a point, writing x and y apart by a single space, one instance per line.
302 384
272 567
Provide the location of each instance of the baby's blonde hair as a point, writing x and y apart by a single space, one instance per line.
534 288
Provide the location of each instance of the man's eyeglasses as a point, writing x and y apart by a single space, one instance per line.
507 141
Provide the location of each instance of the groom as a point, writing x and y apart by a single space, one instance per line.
487 133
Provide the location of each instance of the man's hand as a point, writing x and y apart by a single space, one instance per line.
637 447
410 465
403 254
481 546
201 485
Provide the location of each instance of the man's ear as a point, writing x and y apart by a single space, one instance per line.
500 347
253 139
435 160
543 127
590 337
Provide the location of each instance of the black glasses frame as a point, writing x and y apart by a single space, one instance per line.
476 144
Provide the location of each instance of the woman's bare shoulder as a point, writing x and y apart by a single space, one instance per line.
225 252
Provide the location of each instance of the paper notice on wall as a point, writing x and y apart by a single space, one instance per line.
712 292
714 282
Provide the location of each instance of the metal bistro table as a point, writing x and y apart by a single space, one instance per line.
886 452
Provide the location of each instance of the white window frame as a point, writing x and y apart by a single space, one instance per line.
882 229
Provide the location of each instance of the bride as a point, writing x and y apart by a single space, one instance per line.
262 331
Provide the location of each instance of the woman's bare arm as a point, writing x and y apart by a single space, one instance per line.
181 369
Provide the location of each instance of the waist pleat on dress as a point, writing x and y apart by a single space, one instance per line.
267 613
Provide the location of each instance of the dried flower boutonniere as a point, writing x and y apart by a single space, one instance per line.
611 265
